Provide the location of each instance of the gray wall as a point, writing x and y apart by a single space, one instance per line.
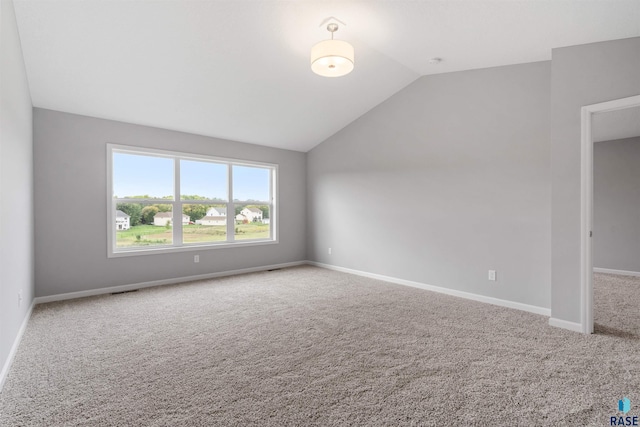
616 204
70 187
581 75
440 183
16 184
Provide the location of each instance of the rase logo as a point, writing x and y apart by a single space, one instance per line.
624 406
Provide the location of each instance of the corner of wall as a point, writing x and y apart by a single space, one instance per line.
16 191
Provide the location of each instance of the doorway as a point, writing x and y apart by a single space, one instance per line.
589 114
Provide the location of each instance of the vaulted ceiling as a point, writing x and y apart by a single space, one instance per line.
239 69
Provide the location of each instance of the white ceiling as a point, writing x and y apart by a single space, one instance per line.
239 69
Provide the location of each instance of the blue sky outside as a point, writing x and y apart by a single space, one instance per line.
203 179
137 175
250 183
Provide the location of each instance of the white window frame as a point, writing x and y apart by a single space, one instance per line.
177 245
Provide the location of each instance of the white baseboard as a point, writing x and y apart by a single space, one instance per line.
14 347
467 295
134 286
620 272
565 324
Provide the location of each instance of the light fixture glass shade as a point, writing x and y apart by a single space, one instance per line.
332 58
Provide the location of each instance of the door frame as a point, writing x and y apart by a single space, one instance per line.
586 203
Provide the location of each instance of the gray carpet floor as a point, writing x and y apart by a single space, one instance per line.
309 346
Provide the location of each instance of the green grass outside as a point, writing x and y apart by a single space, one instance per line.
253 230
144 235
151 235
204 233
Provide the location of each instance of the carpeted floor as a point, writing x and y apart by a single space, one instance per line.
308 346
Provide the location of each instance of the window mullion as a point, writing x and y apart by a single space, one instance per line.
177 205
231 209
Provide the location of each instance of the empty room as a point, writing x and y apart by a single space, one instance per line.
326 213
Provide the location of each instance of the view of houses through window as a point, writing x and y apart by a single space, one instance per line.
162 199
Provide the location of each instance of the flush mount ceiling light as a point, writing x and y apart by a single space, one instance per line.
332 58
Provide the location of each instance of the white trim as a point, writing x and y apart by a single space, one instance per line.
586 203
134 286
586 224
619 272
274 217
176 214
564 324
193 247
14 347
111 229
231 207
461 294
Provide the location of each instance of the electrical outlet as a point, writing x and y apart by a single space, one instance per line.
329 251
196 258
492 275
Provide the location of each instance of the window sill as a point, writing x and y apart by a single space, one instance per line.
188 248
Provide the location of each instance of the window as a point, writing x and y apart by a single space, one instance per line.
167 201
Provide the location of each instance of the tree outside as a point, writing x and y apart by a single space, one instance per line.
148 212
134 210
